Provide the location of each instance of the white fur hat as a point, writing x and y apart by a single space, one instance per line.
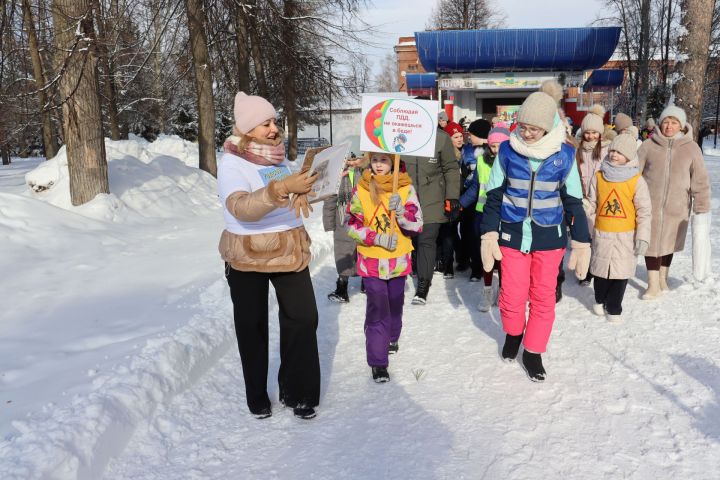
676 112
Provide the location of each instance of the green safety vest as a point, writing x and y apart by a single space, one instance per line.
483 176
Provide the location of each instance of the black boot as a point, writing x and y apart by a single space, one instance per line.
362 285
421 293
533 365
393 347
380 374
340 295
511 347
558 292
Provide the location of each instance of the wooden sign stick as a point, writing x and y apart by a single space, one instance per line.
396 179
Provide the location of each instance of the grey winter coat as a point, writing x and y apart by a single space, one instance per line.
435 179
335 220
674 170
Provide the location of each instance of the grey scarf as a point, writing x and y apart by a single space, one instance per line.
619 173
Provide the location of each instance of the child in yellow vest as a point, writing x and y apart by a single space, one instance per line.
620 201
383 254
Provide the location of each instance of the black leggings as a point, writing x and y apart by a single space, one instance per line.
654 263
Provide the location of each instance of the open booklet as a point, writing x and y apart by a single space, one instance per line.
329 163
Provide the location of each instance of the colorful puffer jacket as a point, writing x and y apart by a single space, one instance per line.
532 202
366 220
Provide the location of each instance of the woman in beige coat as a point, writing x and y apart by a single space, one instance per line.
673 167
265 242
620 203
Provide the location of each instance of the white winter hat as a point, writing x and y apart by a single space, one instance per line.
675 112
593 121
626 145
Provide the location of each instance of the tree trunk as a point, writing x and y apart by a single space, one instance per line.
80 97
203 85
242 43
643 74
693 49
158 89
289 101
48 132
262 88
666 66
5 153
109 89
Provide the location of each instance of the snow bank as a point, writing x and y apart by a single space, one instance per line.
157 180
95 257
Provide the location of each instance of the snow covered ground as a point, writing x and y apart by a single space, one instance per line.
119 359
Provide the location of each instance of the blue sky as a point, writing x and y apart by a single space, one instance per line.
395 18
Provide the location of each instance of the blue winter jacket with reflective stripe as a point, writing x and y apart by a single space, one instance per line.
534 194
544 224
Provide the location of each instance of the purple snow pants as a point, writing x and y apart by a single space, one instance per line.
383 317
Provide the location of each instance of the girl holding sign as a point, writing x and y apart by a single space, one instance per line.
383 258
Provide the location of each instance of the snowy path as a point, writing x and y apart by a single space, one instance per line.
639 400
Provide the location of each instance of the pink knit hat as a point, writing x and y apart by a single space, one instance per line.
499 134
250 111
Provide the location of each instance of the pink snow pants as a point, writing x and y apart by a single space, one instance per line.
529 276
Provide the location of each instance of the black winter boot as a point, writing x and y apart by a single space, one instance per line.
533 365
511 347
421 293
380 374
340 295
558 292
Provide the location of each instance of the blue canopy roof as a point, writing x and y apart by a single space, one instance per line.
604 79
420 80
535 49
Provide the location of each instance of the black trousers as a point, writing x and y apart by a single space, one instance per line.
447 242
299 375
469 247
425 250
610 292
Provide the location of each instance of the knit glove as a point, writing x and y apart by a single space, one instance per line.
579 259
301 204
388 242
490 250
396 204
641 248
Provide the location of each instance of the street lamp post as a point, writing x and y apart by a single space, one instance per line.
329 61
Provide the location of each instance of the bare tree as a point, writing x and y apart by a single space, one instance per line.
643 77
75 38
465 15
242 46
204 85
48 132
387 79
105 27
693 49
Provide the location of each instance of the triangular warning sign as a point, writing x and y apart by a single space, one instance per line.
380 221
612 206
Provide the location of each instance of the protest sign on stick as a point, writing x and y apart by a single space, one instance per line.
399 126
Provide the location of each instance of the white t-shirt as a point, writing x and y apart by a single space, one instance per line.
235 174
